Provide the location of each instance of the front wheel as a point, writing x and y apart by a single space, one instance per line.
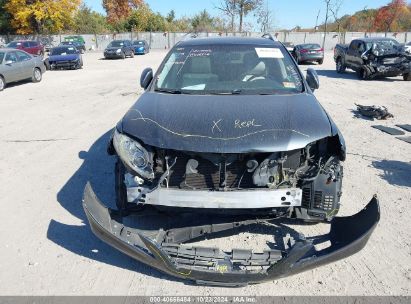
132 55
363 73
407 77
339 66
2 83
37 76
123 55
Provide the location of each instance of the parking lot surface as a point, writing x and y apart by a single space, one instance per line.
53 140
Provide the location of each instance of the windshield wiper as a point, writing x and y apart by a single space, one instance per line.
169 91
233 92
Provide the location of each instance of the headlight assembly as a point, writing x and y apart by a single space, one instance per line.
118 51
133 155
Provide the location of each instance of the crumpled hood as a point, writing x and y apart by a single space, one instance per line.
68 57
226 124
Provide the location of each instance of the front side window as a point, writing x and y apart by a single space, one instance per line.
14 44
229 69
11 57
22 56
1 57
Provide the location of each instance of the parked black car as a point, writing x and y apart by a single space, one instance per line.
373 57
119 49
227 126
308 52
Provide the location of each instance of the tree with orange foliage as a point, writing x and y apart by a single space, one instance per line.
387 16
120 10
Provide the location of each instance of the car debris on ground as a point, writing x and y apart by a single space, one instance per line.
378 112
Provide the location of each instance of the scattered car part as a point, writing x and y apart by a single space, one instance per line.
377 112
405 138
389 130
405 127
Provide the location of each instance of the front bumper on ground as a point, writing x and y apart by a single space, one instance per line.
165 249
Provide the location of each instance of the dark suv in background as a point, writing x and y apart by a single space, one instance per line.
119 49
29 46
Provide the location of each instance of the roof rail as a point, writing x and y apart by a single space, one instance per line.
269 36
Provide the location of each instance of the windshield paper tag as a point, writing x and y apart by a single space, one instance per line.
269 53
289 85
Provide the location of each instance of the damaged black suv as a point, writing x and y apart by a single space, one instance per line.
228 125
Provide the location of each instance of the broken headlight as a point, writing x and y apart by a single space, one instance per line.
133 155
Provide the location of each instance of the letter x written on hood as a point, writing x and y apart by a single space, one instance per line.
226 124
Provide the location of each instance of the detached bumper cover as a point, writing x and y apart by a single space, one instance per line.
165 251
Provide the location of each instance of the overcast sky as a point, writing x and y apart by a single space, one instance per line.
287 13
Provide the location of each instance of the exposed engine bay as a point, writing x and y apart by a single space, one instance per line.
303 183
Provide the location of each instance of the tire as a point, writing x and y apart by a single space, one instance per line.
321 61
123 56
37 75
407 77
2 83
121 191
339 66
363 73
47 65
132 55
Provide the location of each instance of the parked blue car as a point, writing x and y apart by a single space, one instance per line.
64 57
141 47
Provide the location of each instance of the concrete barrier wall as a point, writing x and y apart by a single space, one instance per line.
168 40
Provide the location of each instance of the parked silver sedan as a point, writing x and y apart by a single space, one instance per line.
17 65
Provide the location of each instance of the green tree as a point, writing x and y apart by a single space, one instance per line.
171 16
87 21
5 18
203 22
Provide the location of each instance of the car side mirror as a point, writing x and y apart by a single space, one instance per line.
146 78
312 79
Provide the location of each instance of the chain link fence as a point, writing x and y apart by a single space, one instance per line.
160 40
